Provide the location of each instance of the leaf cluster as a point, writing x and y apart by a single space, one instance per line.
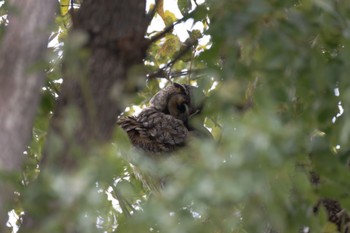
276 77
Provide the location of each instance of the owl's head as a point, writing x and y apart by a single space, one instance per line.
178 100
161 98
178 106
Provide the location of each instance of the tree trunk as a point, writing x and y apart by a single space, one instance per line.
115 31
23 46
116 41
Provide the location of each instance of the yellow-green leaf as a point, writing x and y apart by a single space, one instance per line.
169 18
64 6
171 45
329 228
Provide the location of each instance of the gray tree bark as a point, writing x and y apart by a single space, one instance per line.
22 47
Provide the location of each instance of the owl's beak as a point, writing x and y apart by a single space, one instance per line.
187 109
195 113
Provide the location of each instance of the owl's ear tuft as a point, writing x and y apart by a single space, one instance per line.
180 86
183 89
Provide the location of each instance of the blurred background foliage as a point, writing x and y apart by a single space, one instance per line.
276 77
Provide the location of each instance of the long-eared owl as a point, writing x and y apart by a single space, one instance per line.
164 126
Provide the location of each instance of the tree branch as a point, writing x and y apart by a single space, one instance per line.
170 28
151 14
164 32
162 71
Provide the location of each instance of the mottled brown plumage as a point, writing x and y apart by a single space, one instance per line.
335 213
163 127
153 131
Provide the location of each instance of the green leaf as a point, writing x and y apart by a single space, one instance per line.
195 34
170 47
184 6
167 16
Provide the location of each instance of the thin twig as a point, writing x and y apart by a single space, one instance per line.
170 27
197 5
151 14
122 202
162 72
182 52
176 73
190 70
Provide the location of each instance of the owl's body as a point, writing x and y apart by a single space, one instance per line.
163 127
335 213
155 132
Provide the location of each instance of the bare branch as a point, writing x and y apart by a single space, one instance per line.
166 30
170 27
163 71
151 14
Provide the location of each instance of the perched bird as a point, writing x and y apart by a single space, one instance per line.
164 126
335 213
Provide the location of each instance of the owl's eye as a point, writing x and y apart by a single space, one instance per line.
182 107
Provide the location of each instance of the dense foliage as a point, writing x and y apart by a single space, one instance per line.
275 74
